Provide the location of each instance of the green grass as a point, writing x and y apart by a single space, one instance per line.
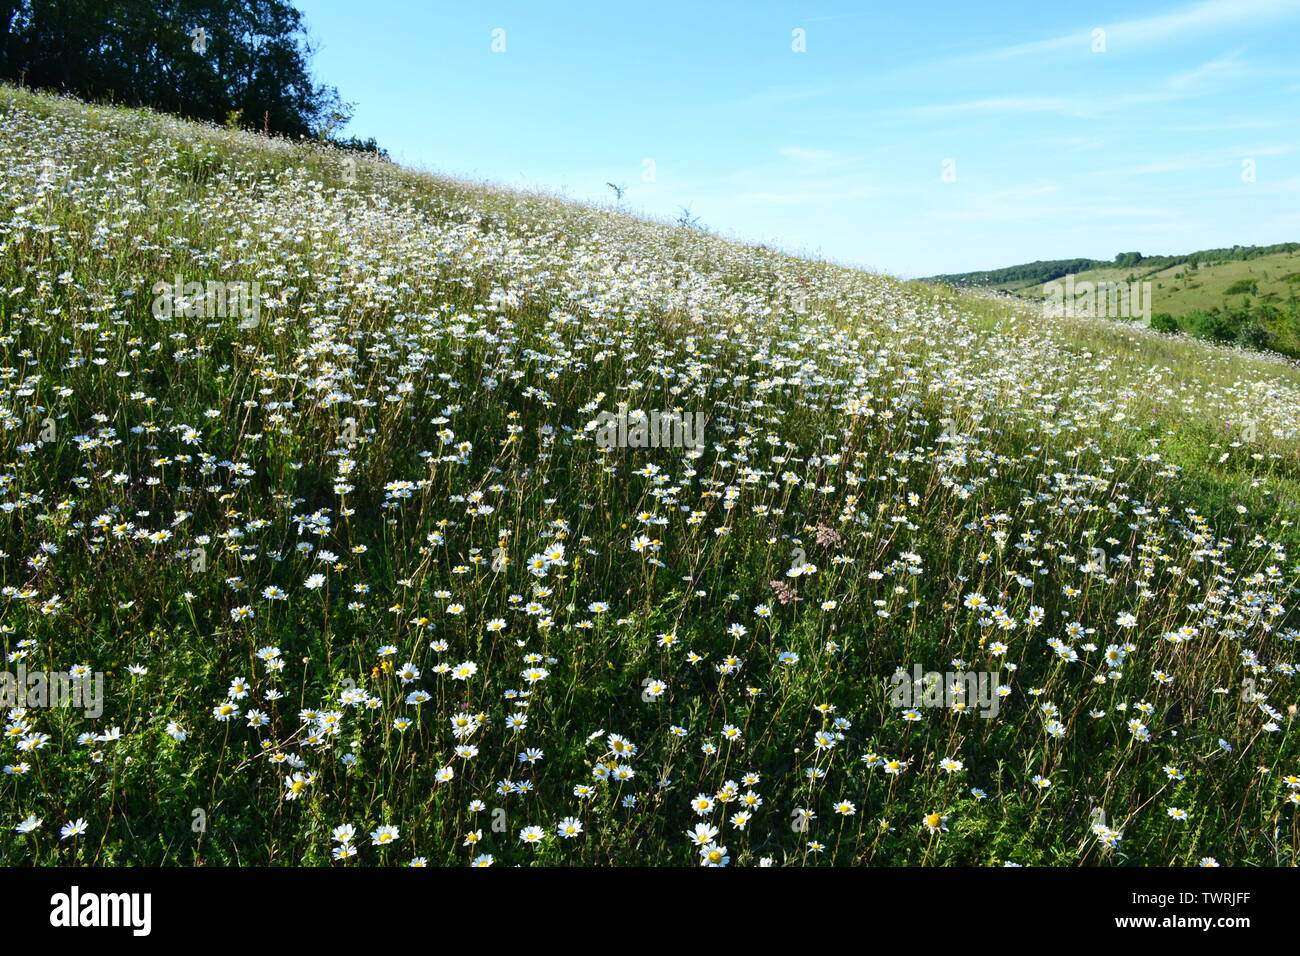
428 358
1266 281
1180 289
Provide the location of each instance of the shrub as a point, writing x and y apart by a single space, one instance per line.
1164 322
1252 335
1212 325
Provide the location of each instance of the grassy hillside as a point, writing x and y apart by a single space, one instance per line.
359 561
1260 290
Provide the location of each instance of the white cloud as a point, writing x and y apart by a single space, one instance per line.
1209 15
807 196
802 154
1201 81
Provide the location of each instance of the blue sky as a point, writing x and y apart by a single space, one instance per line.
912 138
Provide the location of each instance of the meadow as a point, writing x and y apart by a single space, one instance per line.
365 589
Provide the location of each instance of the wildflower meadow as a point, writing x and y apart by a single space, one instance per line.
353 516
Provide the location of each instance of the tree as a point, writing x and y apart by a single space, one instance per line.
1253 335
201 59
1164 322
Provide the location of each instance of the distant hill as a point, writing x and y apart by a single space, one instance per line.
1012 278
1015 277
1246 294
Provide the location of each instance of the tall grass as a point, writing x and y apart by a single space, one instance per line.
379 518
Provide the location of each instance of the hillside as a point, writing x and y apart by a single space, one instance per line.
1018 277
1204 264
361 574
1212 294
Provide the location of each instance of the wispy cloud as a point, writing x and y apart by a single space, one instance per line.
988 208
1003 104
1080 144
1207 75
1185 162
1207 16
810 197
802 174
817 158
1221 126
1210 77
780 96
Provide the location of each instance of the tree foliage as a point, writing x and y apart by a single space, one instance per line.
250 60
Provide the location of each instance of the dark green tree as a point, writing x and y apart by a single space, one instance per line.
201 59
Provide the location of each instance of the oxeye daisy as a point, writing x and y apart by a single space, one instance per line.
295 785
72 828
225 711
714 855
935 823
702 834
702 804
